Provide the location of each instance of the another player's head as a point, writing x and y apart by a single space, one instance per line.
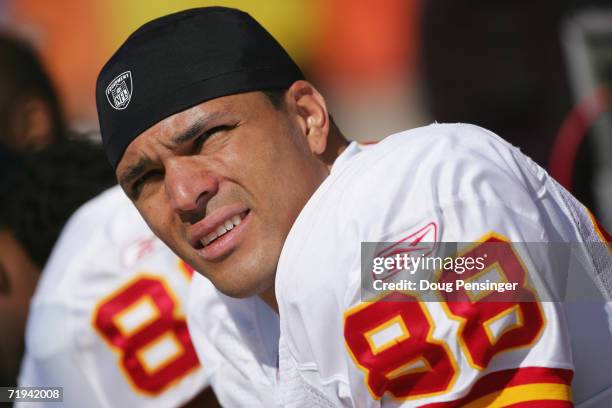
39 193
211 126
30 114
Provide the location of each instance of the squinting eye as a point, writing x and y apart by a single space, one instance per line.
210 132
148 177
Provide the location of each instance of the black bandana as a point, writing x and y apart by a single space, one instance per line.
180 60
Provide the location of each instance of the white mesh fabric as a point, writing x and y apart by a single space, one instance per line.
598 253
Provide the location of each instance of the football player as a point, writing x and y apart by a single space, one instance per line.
105 322
261 193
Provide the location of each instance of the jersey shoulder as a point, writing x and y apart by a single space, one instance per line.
427 176
81 232
436 166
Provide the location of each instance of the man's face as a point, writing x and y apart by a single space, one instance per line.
222 183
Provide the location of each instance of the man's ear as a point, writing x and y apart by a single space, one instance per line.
311 113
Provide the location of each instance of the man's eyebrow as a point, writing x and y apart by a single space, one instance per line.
192 131
134 171
196 128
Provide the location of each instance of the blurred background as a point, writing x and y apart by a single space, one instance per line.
536 73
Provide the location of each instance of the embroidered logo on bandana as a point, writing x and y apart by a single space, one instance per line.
119 91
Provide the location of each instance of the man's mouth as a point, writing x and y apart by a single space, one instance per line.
225 227
220 231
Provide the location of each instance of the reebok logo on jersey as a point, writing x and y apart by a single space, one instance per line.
137 250
418 243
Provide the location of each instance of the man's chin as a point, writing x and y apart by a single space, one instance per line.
242 287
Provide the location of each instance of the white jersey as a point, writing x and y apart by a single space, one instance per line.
241 348
440 183
107 320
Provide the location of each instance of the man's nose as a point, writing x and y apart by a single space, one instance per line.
189 186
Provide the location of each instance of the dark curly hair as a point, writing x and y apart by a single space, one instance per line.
42 189
22 73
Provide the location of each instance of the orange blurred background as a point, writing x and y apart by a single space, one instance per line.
384 66
76 37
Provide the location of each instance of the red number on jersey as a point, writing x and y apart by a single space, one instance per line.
391 340
141 322
522 322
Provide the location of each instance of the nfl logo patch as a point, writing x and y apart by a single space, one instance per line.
119 91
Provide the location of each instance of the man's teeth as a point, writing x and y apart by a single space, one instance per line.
228 225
